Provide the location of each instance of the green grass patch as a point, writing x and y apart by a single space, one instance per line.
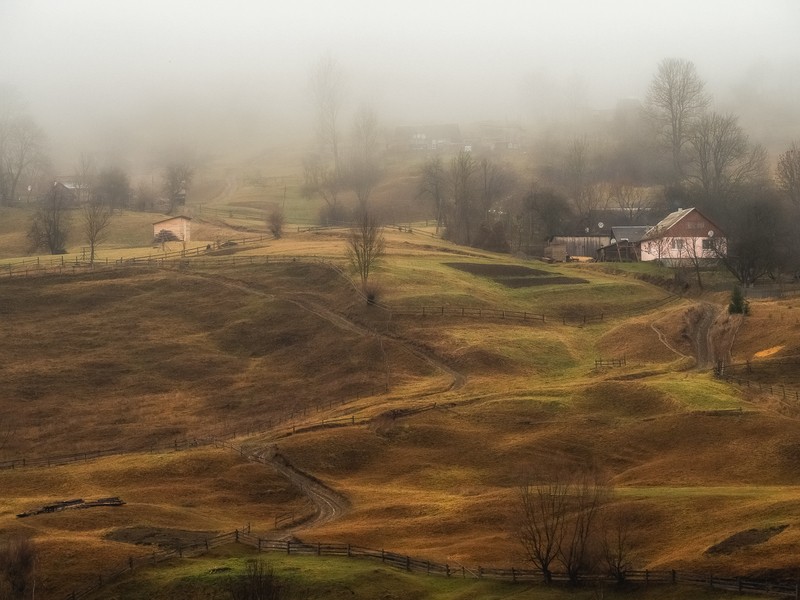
699 392
326 578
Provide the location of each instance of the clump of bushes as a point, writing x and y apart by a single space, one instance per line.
738 305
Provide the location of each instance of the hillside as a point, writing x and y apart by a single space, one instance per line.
426 423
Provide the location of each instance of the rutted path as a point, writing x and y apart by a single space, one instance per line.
329 504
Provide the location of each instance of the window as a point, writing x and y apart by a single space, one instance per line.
676 244
708 244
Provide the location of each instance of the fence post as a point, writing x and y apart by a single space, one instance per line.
288 546
348 551
513 575
408 563
383 555
674 576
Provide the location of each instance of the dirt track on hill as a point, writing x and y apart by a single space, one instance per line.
329 504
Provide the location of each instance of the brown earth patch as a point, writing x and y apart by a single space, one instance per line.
743 539
163 537
487 270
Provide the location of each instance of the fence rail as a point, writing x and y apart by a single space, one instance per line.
293 547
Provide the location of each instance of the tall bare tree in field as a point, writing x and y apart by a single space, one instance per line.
433 186
50 224
789 173
96 217
18 557
721 159
365 246
675 100
321 180
559 522
632 200
543 522
326 83
363 171
463 190
21 150
176 179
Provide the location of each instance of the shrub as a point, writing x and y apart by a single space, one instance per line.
738 305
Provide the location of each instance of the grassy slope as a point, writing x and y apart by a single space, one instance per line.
440 484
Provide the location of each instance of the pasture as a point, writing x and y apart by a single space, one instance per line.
426 424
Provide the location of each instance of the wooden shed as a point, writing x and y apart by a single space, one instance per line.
179 226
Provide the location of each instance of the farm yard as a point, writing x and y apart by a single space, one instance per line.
255 389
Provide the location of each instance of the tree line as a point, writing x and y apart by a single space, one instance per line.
672 151
82 205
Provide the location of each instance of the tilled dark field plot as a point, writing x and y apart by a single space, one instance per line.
515 276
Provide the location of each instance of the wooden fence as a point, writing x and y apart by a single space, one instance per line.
610 362
293 547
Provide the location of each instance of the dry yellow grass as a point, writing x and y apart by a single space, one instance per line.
136 359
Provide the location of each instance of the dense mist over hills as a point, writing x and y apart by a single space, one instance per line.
133 82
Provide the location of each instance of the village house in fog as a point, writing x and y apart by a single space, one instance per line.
684 235
425 138
179 227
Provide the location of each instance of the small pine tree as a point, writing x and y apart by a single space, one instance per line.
738 305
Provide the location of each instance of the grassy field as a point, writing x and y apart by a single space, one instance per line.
133 359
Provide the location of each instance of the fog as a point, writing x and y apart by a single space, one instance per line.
147 78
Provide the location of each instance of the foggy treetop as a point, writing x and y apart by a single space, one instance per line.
96 72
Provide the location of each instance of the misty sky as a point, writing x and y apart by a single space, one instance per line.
202 70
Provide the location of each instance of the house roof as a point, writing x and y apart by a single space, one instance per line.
173 218
672 219
630 233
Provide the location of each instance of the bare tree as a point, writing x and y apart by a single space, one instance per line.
50 224
578 550
698 252
365 246
675 99
433 186
21 150
176 179
96 217
113 187
326 85
721 159
559 521
542 523
495 182
17 568
323 181
587 193
617 543
462 178
275 221
632 200
756 236
85 177
363 172
789 172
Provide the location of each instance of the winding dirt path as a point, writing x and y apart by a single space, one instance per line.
329 504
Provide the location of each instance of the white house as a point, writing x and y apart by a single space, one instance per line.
179 226
684 235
